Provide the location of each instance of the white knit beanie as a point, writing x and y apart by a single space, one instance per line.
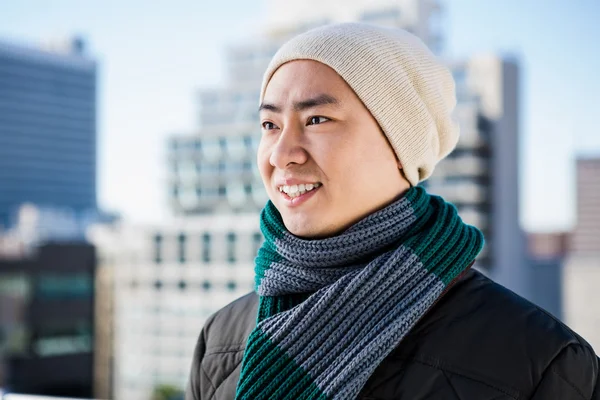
407 90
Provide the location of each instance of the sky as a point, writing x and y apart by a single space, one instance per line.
153 57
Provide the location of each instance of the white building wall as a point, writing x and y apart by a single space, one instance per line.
581 301
160 307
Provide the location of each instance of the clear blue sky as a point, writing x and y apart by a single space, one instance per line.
153 56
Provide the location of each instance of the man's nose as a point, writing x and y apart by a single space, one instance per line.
288 149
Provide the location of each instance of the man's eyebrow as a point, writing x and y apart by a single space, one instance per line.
269 107
320 100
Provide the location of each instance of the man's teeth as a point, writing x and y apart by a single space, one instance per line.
298 190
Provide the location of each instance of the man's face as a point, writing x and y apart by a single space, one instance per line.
323 159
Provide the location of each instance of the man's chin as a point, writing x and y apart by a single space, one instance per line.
303 226
309 228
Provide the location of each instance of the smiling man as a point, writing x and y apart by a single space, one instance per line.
363 284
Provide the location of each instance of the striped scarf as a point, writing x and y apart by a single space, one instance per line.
330 310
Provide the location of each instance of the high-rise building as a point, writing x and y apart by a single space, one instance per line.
582 269
166 281
47 128
46 321
546 254
104 340
481 175
586 236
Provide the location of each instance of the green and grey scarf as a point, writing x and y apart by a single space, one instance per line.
331 310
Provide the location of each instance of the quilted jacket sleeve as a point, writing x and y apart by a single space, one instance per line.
195 382
572 375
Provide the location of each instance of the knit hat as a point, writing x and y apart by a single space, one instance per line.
407 90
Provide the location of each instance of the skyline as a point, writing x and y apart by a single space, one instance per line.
174 66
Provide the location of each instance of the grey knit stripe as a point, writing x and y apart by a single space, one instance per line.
330 344
283 279
306 311
331 332
355 291
347 378
371 234
343 303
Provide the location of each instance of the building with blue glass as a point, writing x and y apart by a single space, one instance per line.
47 128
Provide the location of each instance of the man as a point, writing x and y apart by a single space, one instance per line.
363 285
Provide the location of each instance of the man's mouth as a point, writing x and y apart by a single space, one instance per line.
294 191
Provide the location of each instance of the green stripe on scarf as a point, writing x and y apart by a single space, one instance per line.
269 365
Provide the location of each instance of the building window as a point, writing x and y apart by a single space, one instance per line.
158 239
182 285
181 246
206 285
211 150
54 338
158 285
206 248
231 239
231 286
222 190
188 198
209 168
64 286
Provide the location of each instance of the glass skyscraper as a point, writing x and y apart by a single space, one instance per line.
47 129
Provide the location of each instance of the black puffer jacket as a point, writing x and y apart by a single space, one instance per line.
479 342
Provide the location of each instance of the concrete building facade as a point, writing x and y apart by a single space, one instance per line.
582 269
166 281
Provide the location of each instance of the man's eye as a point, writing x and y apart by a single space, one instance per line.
317 120
268 125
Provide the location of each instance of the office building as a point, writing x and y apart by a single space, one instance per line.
546 255
166 281
481 175
582 270
46 321
586 236
47 128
